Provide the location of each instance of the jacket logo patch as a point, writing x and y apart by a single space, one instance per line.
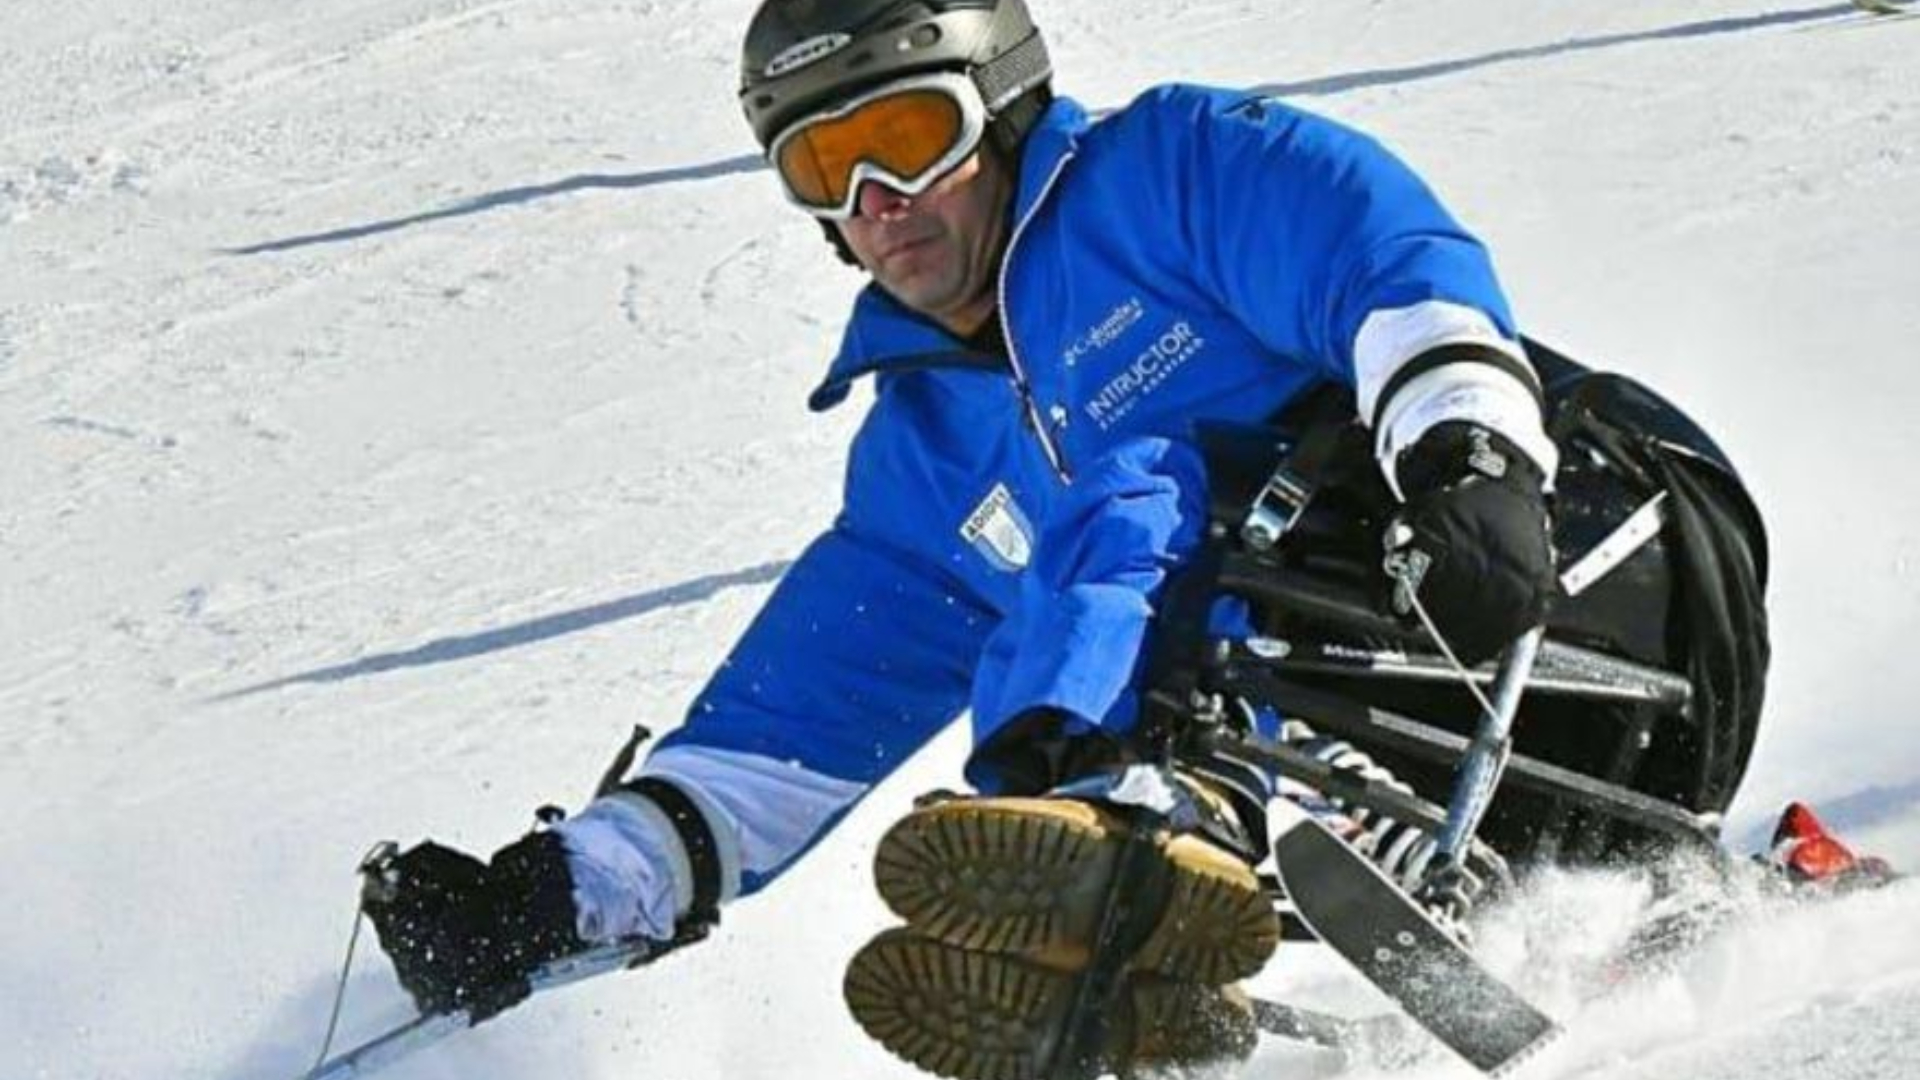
999 531
1107 330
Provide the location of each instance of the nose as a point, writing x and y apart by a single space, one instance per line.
881 202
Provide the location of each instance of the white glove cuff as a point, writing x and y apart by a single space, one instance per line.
631 872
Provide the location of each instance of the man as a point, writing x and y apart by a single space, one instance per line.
1055 303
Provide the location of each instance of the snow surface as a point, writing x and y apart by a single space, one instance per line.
401 398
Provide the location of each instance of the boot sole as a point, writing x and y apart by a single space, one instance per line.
1030 877
988 1016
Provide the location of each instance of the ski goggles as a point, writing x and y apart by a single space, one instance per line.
905 134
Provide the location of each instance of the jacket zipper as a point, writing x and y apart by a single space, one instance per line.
1056 457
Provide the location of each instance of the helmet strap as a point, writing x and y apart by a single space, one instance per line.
1013 73
1007 131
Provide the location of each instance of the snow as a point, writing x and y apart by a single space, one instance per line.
401 398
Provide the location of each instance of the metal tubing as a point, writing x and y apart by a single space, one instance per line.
1486 756
1560 670
1374 728
1585 672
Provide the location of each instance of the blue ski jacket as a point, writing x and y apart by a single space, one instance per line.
1196 255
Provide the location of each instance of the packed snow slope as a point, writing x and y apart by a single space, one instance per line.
401 398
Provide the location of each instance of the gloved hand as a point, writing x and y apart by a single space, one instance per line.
1473 541
466 935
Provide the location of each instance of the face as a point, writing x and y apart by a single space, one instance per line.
937 252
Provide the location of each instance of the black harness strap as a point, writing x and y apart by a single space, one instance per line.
1138 892
1296 478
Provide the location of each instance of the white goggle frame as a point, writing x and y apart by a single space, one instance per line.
973 125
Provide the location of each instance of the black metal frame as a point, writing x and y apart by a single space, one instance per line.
1367 647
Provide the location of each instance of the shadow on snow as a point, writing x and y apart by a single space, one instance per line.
480 204
1339 84
1333 84
449 649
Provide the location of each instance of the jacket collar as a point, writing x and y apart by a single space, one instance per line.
883 335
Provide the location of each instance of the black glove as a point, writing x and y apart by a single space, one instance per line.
466 935
1473 540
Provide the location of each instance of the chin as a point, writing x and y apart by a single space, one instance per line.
919 293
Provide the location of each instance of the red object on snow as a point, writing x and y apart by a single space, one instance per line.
1808 853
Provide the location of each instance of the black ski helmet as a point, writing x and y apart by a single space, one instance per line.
801 55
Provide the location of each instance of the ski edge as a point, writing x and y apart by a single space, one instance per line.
425 1029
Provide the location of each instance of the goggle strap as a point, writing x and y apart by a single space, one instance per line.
1012 73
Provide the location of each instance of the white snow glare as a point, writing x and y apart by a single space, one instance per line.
399 399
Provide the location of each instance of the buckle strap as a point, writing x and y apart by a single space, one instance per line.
1291 487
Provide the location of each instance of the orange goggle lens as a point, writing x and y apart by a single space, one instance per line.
904 134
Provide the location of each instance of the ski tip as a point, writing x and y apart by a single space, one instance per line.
1528 1053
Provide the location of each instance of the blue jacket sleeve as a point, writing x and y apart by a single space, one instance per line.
1302 228
861 655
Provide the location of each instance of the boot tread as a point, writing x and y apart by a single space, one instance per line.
1029 876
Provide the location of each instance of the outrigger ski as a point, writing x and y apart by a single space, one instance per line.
429 1028
1397 946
